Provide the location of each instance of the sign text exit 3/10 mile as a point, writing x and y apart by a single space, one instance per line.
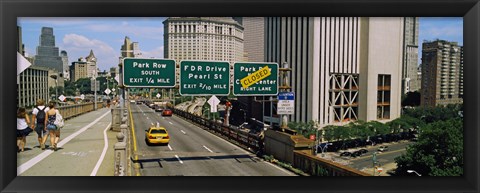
204 78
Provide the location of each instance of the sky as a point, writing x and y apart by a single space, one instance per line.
105 36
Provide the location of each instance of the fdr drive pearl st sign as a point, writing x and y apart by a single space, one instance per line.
143 72
202 78
255 79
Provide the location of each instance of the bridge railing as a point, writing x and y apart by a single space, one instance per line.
251 141
316 166
70 111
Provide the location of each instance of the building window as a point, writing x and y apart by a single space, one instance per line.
383 96
343 97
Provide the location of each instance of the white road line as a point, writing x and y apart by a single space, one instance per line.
208 149
27 165
179 159
170 123
183 132
169 147
102 156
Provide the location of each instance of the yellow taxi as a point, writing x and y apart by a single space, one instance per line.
156 135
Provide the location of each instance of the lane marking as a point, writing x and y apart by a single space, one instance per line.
169 147
170 123
208 149
183 132
30 163
179 159
132 124
102 156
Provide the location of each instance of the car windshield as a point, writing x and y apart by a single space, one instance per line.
161 131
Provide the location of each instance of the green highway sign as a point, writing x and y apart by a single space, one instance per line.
202 78
143 72
255 79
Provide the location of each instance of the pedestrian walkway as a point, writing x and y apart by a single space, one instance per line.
85 149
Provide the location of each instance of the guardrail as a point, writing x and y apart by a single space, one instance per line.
251 141
316 166
69 111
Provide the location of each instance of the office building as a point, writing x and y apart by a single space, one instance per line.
254 49
203 38
92 69
130 49
343 68
66 71
32 83
47 54
79 69
442 73
410 56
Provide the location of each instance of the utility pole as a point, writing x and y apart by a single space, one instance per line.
285 87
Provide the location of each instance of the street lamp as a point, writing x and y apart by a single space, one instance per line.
244 115
323 148
54 76
413 171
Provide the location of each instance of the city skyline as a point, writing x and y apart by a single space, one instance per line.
77 36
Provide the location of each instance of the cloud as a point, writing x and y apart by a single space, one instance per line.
155 53
79 46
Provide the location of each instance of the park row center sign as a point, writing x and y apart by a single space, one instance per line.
201 78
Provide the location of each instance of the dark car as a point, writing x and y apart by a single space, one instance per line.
346 153
158 109
167 112
356 154
363 151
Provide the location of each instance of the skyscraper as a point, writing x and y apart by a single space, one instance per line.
66 69
203 38
130 49
442 73
410 56
47 54
343 68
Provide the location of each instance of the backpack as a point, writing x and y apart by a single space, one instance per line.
41 115
58 120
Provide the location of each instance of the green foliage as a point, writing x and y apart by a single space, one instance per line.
411 99
438 152
305 129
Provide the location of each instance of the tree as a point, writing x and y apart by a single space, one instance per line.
438 152
411 99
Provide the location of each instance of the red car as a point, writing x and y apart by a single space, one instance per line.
167 112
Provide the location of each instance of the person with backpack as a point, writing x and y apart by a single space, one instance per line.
52 125
38 122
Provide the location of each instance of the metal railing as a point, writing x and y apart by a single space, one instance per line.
70 111
316 166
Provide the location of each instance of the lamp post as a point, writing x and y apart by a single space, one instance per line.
413 171
244 115
54 76
323 148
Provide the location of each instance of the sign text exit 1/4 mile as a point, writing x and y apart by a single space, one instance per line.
143 72
204 78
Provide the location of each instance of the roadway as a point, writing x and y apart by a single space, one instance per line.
193 151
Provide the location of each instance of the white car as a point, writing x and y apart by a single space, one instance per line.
382 148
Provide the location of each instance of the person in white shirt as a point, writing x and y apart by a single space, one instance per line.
39 123
22 128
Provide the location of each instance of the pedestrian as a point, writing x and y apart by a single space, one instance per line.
38 122
53 130
23 129
108 103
